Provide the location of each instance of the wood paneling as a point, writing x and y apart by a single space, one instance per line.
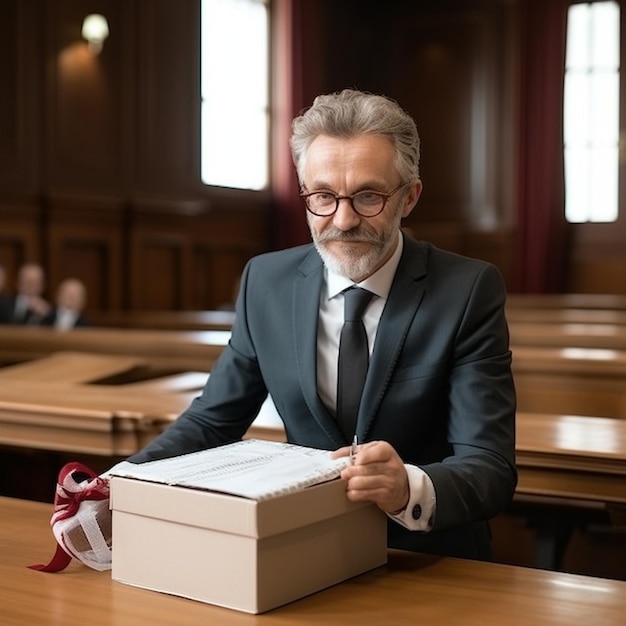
125 125
167 95
447 64
20 235
20 73
99 158
88 137
191 255
86 241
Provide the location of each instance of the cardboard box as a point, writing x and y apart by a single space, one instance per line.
237 552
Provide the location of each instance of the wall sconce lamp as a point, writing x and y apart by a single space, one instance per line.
95 31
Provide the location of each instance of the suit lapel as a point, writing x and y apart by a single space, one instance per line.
305 312
400 309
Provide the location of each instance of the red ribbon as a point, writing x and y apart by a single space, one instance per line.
71 490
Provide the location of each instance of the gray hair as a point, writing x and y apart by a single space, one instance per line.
350 113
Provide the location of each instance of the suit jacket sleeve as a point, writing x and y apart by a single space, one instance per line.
478 478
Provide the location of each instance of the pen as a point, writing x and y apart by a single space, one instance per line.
355 442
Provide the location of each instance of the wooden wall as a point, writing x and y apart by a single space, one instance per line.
99 168
99 156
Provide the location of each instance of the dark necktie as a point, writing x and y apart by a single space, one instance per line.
353 359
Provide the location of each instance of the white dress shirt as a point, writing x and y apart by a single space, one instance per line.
65 319
331 316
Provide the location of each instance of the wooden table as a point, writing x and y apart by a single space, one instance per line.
541 315
567 300
56 403
580 381
99 420
568 335
70 367
164 320
411 589
573 457
570 467
59 403
174 349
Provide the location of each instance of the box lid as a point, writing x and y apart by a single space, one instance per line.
229 513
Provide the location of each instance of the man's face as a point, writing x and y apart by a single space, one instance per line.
71 295
30 280
349 244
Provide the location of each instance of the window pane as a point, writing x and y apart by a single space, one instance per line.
577 176
604 108
577 39
605 36
591 113
576 114
604 175
234 89
234 154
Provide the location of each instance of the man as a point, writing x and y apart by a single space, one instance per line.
435 423
27 306
70 301
5 300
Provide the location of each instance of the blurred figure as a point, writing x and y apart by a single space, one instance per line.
28 306
71 297
5 301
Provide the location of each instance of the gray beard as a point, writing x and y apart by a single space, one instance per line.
353 268
356 267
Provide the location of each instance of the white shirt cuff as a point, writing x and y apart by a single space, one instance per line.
420 510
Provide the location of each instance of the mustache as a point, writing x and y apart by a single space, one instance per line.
356 234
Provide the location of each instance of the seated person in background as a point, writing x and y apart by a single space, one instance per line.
5 301
435 425
71 297
27 306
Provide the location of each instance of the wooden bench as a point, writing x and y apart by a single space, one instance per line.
577 458
71 367
570 467
566 335
573 461
164 320
567 301
160 349
59 402
587 381
105 420
579 381
530 315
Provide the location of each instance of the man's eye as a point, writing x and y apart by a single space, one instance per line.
323 197
368 197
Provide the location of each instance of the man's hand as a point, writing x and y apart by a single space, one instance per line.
377 475
38 305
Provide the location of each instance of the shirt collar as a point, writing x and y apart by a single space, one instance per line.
379 283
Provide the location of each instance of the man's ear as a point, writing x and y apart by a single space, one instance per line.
415 191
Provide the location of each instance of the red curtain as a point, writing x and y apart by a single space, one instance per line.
288 219
541 247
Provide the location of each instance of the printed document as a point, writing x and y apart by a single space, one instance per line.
252 468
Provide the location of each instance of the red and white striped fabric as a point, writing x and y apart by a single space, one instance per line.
81 521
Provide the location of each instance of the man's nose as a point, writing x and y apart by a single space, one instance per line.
346 218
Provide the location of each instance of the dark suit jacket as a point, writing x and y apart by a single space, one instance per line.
439 386
7 312
6 309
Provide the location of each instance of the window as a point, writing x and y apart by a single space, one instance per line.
235 92
591 112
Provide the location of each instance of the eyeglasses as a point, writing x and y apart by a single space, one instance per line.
364 203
